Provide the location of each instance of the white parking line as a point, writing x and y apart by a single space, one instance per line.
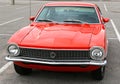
105 8
28 6
112 38
115 29
5 34
4 6
113 24
22 7
11 21
5 67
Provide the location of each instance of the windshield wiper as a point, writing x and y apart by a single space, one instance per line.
75 21
45 20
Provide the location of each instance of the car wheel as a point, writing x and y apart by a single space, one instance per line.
99 73
21 70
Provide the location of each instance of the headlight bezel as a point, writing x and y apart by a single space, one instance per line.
98 49
15 46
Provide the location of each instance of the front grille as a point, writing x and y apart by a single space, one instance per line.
55 54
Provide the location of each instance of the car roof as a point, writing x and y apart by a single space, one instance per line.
70 4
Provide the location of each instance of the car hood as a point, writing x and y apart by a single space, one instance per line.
53 35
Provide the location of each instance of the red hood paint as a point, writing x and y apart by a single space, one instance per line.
54 35
20 35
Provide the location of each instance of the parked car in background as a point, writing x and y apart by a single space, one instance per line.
63 36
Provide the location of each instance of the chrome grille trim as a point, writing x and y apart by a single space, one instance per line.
60 54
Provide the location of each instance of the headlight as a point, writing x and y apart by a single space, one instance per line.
13 50
97 53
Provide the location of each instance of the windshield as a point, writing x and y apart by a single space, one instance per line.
76 14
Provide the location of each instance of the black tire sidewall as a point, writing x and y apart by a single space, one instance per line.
21 70
99 73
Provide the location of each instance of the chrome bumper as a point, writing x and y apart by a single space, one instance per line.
97 63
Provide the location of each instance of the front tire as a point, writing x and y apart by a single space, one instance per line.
21 70
99 73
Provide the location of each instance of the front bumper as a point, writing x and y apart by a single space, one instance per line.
52 62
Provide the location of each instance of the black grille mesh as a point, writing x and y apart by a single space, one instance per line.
59 54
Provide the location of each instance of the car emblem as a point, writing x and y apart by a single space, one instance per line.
52 54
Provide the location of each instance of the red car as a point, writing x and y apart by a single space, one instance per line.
63 36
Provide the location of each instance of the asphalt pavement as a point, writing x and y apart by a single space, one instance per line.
14 17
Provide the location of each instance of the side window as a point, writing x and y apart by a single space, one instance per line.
43 14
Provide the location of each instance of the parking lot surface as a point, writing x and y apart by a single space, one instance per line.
14 17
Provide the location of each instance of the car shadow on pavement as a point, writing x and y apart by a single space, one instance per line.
62 77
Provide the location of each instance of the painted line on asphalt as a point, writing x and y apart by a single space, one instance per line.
5 67
11 21
105 7
115 29
5 34
27 6
112 38
22 7
4 6
113 24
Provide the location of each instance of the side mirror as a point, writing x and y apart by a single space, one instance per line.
32 18
106 20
